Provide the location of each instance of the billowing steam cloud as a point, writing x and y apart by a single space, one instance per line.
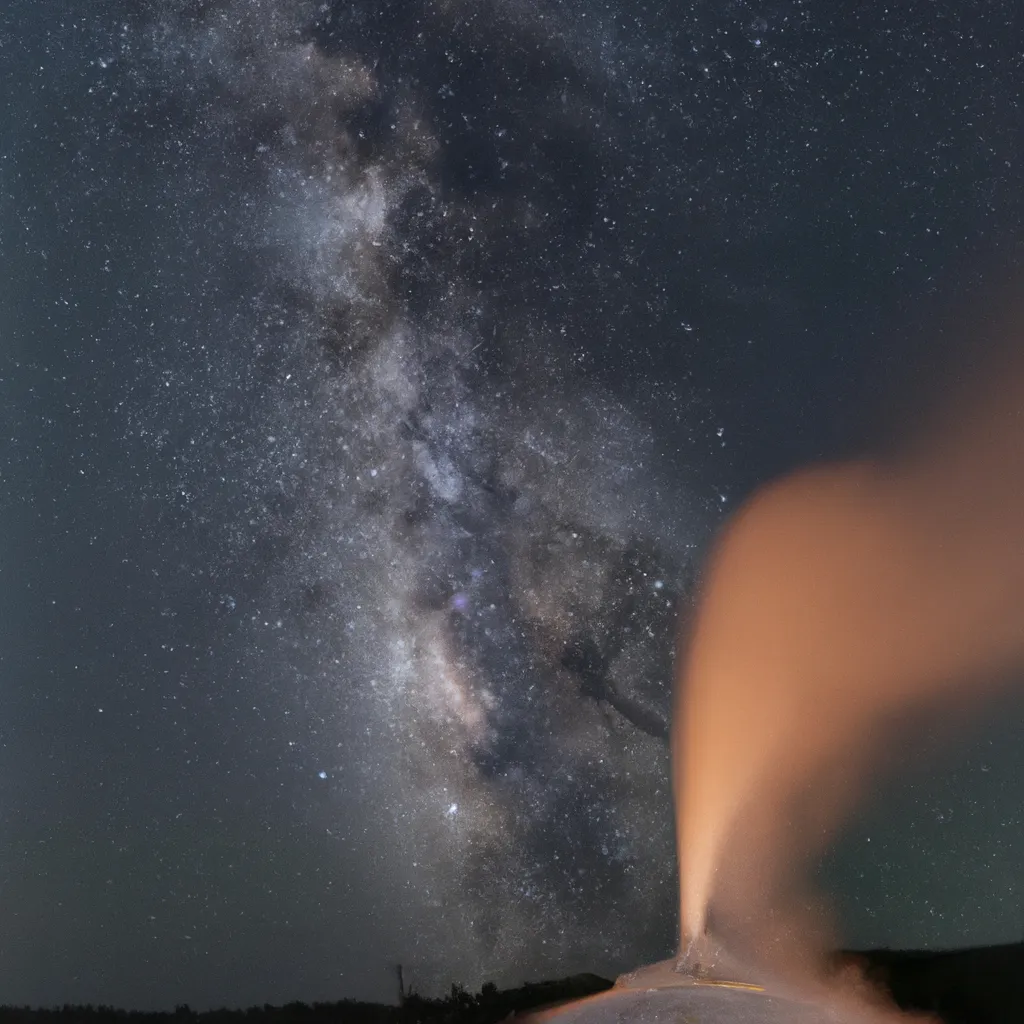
838 602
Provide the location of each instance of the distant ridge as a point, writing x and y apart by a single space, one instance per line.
981 985
458 1007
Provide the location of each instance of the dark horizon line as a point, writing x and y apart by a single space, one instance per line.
583 983
530 995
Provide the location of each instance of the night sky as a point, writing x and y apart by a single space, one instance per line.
372 378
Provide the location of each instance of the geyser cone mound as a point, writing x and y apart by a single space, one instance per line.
708 983
709 1004
704 961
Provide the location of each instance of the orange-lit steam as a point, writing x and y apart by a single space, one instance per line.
837 601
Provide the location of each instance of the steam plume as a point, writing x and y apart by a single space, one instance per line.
839 601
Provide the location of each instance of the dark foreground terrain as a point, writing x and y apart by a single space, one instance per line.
964 986
487 1006
970 986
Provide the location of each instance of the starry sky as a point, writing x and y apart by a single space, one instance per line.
372 377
